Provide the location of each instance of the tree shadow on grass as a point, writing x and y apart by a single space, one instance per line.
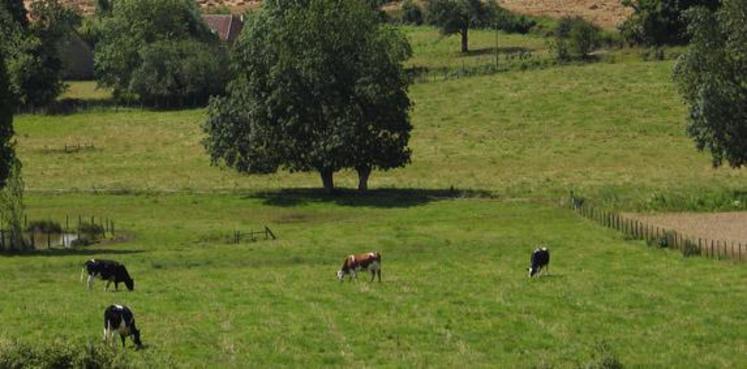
493 50
379 198
68 252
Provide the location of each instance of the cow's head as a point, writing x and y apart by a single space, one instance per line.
130 283
136 338
532 271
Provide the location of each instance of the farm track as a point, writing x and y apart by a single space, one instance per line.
728 226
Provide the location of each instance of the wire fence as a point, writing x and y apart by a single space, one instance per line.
74 231
655 235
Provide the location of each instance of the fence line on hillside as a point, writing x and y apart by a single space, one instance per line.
687 244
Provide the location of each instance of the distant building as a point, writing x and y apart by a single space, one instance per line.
227 27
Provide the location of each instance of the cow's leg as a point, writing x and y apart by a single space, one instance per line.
122 337
353 275
90 281
108 282
116 285
373 274
378 271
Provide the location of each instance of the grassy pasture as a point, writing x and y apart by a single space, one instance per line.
614 131
455 291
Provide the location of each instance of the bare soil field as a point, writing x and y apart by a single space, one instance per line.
730 226
605 13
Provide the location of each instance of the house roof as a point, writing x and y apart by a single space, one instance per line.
227 27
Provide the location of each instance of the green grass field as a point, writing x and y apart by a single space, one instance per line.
455 291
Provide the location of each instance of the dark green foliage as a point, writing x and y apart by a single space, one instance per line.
17 11
130 40
7 151
458 16
411 13
712 78
91 229
660 22
44 226
512 23
575 38
180 73
317 88
33 61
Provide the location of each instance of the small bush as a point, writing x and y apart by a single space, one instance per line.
575 38
44 226
411 13
92 229
511 23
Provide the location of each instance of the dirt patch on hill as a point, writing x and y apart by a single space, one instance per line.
605 13
731 226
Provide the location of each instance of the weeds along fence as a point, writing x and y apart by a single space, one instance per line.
74 231
655 235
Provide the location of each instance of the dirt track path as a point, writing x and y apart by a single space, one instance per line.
731 226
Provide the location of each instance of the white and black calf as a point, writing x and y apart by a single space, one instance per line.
540 260
120 319
108 270
370 261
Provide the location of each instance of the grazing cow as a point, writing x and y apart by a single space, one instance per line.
119 318
540 260
370 261
108 270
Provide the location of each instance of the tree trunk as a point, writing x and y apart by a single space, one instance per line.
327 180
465 44
363 173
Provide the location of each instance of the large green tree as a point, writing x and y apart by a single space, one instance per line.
712 77
319 86
33 63
141 39
459 16
660 22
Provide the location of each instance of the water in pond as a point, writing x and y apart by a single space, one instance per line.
56 240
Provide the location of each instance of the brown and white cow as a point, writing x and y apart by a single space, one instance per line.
370 261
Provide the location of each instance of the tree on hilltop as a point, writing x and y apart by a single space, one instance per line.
459 16
319 86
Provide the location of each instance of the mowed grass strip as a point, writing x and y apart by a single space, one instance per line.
455 291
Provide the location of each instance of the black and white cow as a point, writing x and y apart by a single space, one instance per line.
370 261
540 260
108 270
119 318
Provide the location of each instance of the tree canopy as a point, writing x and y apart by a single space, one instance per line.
660 22
139 41
319 86
32 56
458 16
712 77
